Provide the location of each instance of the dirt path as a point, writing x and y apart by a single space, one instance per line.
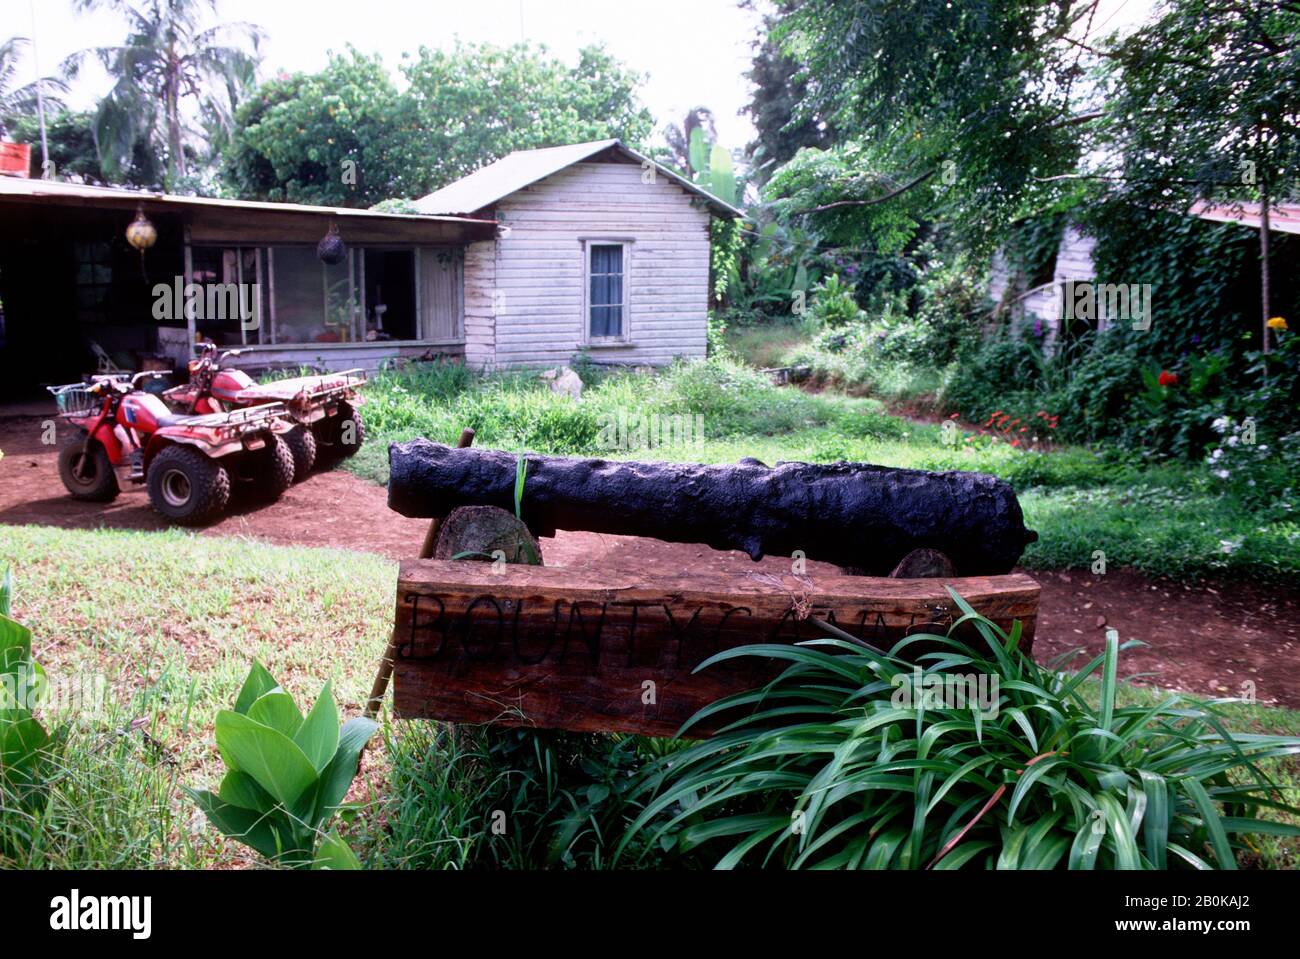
1209 640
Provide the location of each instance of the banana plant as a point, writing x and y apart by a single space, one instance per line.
287 774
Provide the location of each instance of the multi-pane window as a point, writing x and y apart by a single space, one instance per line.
606 290
94 281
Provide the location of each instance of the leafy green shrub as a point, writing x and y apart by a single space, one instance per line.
834 304
286 774
1006 372
26 749
1262 475
849 760
952 303
1103 381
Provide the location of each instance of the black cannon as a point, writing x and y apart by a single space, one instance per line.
863 517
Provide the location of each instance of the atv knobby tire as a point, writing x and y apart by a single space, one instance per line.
302 444
333 434
265 474
187 486
86 471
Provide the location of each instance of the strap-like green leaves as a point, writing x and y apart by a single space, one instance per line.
1059 773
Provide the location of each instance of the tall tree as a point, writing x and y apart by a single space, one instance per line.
18 98
346 135
1206 106
176 81
339 137
475 103
987 96
780 108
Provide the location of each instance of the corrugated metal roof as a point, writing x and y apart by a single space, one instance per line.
1283 218
24 188
520 169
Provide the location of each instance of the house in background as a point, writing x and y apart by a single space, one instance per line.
530 260
1038 300
600 250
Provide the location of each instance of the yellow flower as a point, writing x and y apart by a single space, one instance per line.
1277 323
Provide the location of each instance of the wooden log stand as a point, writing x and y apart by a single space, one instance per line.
614 650
617 649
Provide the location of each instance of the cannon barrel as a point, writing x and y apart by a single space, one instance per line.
852 514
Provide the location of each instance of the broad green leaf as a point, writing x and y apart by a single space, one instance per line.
249 827
334 853
337 776
269 756
1213 824
241 789
15 645
277 710
21 741
318 736
257 684
1155 821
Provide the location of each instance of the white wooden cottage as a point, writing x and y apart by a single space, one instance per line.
1046 304
598 249
1041 304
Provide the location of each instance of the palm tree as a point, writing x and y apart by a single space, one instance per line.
170 70
19 100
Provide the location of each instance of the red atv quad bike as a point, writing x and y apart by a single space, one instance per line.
189 463
324 407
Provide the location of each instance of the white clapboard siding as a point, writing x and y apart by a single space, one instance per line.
480 319
1074 262
524 304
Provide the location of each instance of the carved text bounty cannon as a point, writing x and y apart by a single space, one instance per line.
866 518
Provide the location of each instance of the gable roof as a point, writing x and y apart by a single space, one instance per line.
523 168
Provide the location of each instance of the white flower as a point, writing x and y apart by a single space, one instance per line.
1227 546
1222 474
1214 457
1233 440
1220 424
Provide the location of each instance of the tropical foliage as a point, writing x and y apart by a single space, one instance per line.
287 774
177 81
854 758
347 136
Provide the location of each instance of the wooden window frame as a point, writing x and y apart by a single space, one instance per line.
625 335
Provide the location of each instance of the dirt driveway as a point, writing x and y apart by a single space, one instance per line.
1209 640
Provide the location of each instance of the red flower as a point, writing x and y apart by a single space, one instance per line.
1167 379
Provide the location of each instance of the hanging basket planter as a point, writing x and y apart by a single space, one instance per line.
142 235
331 250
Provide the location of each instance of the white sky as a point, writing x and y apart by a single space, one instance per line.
695 51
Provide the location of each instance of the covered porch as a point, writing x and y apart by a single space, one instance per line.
75 297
